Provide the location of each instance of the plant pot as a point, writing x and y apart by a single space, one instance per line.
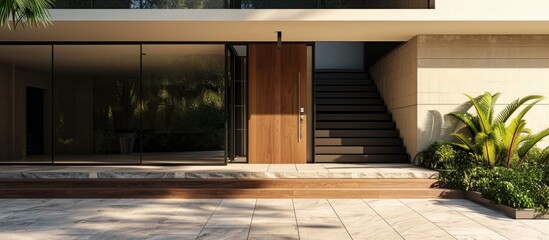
516 213
127 141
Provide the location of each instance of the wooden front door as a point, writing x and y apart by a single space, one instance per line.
277 103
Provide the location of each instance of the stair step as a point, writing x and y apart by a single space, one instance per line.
352 117
357 133
224 183
341 75
358 141
347 101
360 150
343 82
352 122
340 158
231 193
351 108
363 95
345 89
355 125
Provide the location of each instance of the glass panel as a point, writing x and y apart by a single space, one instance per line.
332 4
149 4
96 96
183 104
25 104
245 4
238 101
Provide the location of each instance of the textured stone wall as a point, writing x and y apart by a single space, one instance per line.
424 79
396 78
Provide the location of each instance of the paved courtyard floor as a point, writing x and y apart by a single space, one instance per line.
259 219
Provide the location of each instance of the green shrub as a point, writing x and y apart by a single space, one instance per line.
455 164
523 185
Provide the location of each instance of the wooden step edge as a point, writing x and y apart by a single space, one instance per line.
223 183
230 193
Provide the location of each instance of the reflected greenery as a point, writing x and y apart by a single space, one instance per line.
115 105
183 105
136 4
244 4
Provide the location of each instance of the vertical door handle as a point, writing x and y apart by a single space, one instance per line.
300 110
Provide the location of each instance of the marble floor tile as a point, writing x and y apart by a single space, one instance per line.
273 237
408 223
361 221
274 216
179 228
263 228
232 170
311 168
317 220
232 213
224 234
282 168
541 225
259 219
171 237
499 223
450 220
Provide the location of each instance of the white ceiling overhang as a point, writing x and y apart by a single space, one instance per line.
235 25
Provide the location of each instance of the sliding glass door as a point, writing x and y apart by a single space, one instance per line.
96 95
113 104
183 104
25 104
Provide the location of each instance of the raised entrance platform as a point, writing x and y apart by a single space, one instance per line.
231 181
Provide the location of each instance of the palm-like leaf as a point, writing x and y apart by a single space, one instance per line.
485 145
482 108
530 141
468 120
492 108
31 12
513 106
490 136
465 142
512 138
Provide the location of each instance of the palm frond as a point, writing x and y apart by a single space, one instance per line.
508 111
512 138
37 12
466 143
529 142
30 12
466 119
482 108
492 105
489 151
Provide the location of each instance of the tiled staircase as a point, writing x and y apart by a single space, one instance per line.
352 121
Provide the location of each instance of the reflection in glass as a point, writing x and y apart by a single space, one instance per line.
237 97
183 104
331 4
96 96
25 104
136 4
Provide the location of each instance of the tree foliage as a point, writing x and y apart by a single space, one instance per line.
32 13
497 137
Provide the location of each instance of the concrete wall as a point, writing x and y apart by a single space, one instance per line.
449 66
339 55
424 79
396 78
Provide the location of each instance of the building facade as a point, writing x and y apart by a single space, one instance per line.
217 81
